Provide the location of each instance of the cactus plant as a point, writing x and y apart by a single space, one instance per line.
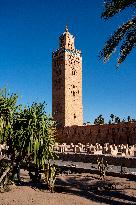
28 132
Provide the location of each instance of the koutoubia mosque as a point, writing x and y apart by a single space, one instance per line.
67 107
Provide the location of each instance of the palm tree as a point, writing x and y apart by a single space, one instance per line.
117 120
112 117
129 118
125 33
99 120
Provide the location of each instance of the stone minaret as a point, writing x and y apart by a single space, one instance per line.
67 82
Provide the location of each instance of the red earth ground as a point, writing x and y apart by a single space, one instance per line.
73 189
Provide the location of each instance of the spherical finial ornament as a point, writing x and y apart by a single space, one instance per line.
66 29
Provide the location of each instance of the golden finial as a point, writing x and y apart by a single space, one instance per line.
66 29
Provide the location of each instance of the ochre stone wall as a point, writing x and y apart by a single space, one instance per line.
122 133
67 82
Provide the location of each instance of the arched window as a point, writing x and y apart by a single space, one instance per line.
73 72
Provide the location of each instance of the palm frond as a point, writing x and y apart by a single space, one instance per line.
114 40
113 7
128 44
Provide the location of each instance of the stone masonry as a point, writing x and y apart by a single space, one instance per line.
67 82
67 108
122 133
97 149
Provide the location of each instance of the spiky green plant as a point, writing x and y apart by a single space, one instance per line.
102 167
29 132
51 173
40 130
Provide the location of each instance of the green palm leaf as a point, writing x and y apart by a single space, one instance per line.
125 32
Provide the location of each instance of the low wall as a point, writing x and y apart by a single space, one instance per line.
122 133
129 162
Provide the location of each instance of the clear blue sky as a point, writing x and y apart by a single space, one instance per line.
29 32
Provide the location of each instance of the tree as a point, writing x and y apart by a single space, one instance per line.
29 133
112 117
126 33
117 120
99 120
8 109
123 120
129 119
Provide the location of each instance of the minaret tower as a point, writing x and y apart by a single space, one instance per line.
67 82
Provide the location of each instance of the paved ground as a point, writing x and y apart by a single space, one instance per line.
111 168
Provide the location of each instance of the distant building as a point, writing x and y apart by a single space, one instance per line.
67 109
